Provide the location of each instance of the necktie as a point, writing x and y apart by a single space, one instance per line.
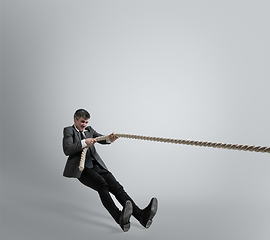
88 158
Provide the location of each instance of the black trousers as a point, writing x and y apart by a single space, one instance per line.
105 183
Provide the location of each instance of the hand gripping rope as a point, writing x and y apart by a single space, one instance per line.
239 147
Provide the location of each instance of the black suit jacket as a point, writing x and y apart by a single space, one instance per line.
72 147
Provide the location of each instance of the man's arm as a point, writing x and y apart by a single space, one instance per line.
109 140
92 141
69 147
95 135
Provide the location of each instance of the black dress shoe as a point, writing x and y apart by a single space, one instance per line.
148 213
125 216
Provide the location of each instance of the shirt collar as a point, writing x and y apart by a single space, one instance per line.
78 129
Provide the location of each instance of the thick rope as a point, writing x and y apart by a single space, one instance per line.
239 147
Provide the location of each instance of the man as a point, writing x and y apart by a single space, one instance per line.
96 175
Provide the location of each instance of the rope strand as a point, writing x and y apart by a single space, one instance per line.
240 147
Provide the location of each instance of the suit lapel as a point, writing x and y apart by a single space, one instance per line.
77 133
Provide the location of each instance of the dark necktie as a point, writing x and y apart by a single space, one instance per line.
88 158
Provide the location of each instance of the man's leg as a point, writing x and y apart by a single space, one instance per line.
92 179
120 194
145 216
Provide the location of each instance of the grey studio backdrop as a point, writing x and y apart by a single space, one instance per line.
180 69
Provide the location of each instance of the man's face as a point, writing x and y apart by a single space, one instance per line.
81 123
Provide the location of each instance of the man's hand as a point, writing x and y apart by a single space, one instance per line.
90 141
112 137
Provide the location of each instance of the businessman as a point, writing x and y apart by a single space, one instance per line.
96 175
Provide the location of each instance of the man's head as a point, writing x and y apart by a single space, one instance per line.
81 118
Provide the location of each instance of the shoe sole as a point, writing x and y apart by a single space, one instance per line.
153 212
126 227
127 215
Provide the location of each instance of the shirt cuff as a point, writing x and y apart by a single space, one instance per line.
83 143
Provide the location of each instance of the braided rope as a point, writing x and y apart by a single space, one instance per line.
240 147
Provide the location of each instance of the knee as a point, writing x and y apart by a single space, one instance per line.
102 187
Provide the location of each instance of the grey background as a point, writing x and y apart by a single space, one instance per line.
180 69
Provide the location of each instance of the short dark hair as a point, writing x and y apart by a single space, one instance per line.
81 113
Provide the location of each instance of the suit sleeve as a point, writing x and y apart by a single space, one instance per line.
69 147
96 134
